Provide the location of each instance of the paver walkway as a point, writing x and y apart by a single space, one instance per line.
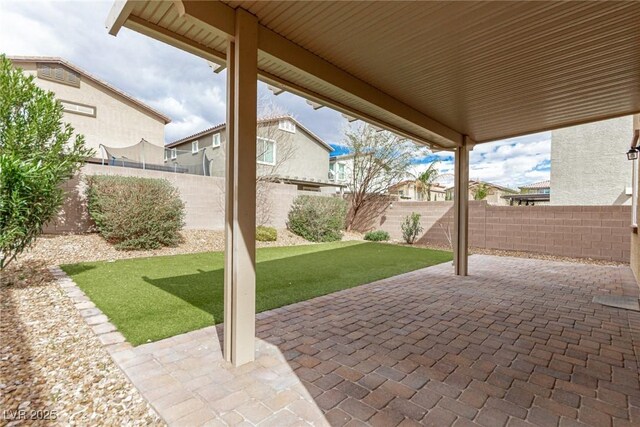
519 342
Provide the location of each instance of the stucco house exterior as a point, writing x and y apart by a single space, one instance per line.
537 193
99 111
588 163
287 152
413 190
495 192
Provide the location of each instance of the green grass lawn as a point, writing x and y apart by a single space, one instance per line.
153 298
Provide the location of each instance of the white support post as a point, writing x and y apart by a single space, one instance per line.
228 202
240 261
461 208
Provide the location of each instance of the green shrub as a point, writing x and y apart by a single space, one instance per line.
38 152
317 218
266 234
411 228
135 213
377 236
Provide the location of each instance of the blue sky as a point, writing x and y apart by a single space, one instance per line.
184 87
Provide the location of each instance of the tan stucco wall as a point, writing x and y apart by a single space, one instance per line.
588 163
118 121
203 197
635 234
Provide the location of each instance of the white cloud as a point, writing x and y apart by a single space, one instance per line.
183 86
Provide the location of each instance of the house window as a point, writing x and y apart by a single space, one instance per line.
216 140
342 176
194 147
287 126
58 73
166 155
266 151
332 171
72 107
174 154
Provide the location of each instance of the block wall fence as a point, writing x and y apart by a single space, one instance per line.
600 232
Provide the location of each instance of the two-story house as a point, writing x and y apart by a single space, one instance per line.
287 152
102 113
588 163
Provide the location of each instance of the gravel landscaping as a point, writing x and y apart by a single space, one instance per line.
51 363
74 248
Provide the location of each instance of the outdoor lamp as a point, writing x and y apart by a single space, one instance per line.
632 154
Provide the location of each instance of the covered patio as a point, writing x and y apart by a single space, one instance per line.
501 347
449 75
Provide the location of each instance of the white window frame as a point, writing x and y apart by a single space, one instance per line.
194 147
174 153
287 126
262 162
166 155
215 141
342 174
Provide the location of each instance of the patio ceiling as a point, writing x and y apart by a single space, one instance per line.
432 71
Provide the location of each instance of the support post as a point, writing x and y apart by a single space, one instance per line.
228 202
461 208
240 249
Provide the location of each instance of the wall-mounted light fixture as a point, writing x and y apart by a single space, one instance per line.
634 151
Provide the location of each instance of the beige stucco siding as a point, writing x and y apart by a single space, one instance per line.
588 163
118 121
297 154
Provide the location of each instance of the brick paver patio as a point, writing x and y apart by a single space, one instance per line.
519 342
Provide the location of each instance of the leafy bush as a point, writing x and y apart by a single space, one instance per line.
37 154
317 218
135 213
266 234
377 236
411 228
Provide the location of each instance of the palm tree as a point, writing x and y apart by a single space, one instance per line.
427 178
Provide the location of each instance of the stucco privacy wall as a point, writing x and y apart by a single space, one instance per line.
203 197
600 232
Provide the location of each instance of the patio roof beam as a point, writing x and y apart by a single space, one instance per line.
218 18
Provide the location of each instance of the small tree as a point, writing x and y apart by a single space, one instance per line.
427 178
411 228
481 191
37 154
380 159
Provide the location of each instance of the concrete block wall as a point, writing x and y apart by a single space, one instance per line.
600 232
203 197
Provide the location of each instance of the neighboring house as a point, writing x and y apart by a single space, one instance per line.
537 193
495 192
102 113
286 152
588 163
413 190
341 169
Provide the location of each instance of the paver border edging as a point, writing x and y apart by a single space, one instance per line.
112 340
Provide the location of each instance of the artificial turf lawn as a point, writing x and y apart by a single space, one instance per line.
153 298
